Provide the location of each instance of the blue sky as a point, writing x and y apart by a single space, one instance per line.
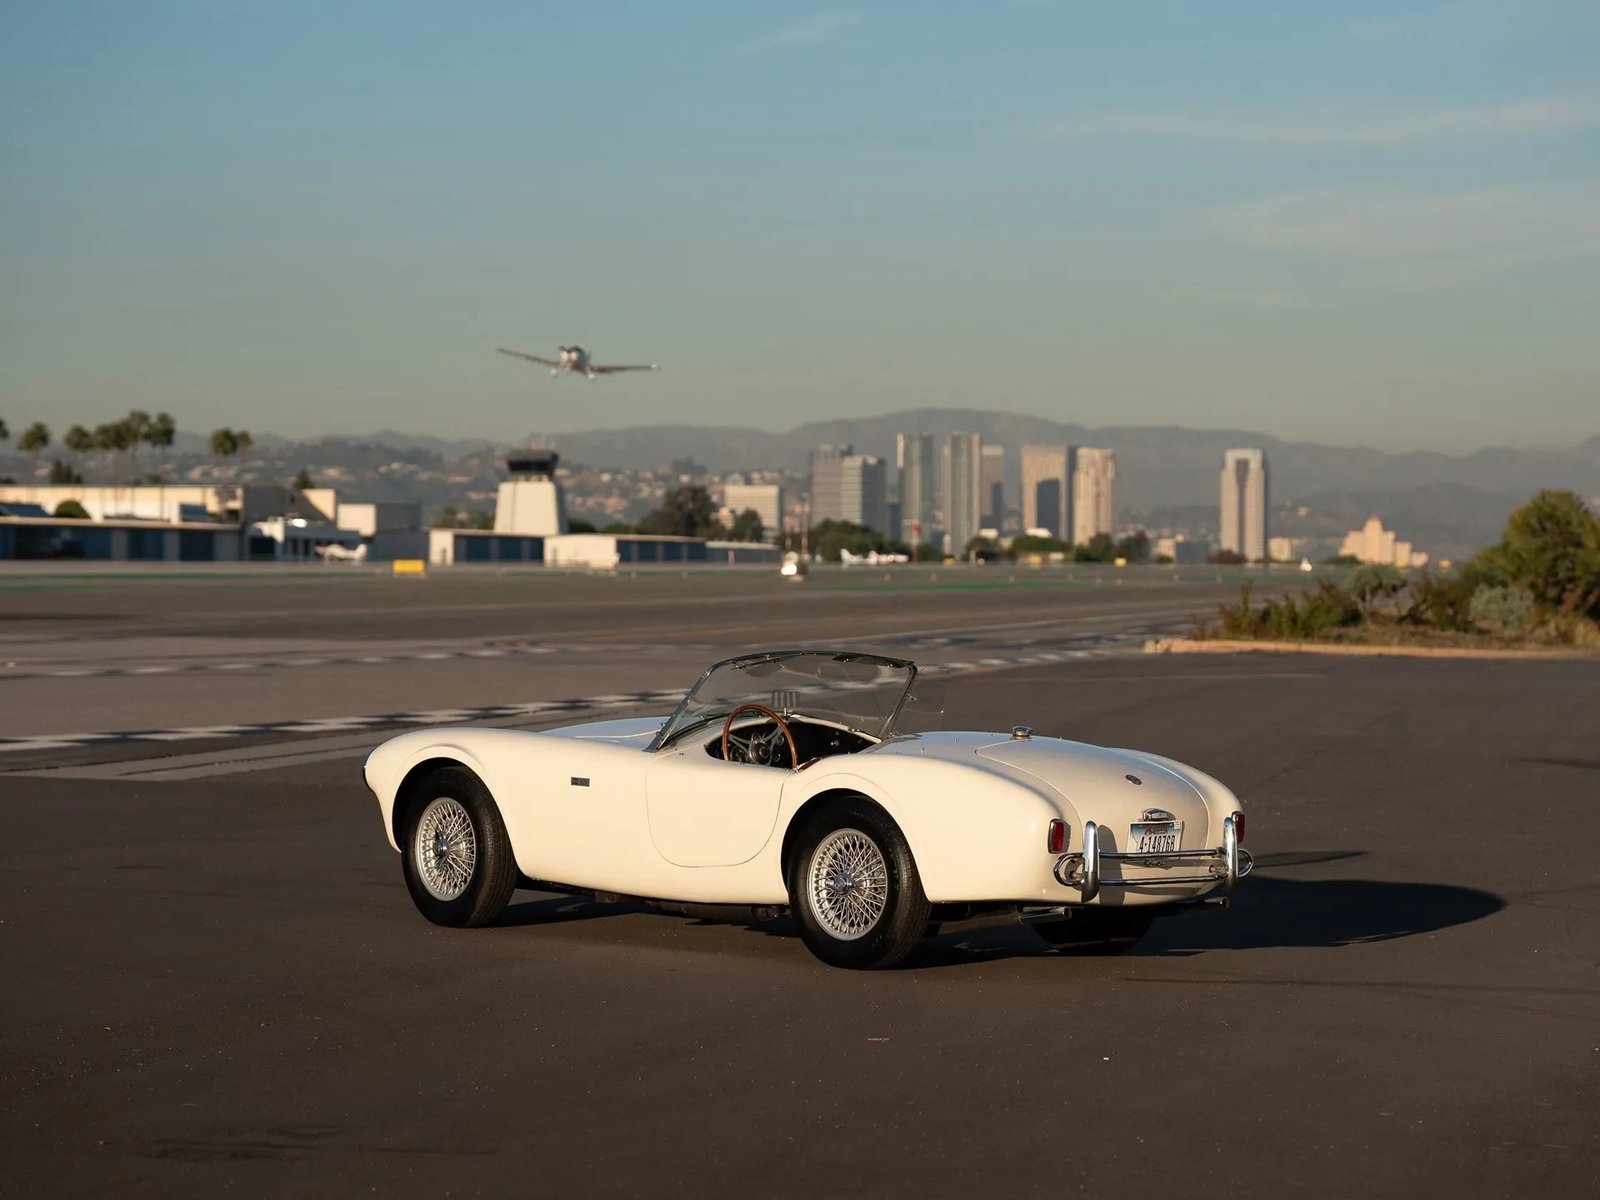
1361 223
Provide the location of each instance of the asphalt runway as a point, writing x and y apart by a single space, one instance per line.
216 981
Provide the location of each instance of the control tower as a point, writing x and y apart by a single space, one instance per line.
530 502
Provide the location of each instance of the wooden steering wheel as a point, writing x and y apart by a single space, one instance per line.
758 749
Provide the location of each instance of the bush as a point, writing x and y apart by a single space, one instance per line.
1293 618
1444 602
1501 608
71 510
1551 547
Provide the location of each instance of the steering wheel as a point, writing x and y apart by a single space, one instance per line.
758 748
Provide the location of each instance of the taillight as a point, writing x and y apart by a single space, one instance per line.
1238 827
1057 838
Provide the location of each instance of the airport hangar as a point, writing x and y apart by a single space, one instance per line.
265 522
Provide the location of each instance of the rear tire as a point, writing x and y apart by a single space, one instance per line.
854 889
1092 931
454 850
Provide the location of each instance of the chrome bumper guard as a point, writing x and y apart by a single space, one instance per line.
1225 866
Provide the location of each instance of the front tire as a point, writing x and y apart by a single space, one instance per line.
854 889
1093 931
454 850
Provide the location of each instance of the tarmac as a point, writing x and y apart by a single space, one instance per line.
217 983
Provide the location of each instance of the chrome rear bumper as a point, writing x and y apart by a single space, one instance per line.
1225 865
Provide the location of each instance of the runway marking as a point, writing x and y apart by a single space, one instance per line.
438 716
1066 644
338 660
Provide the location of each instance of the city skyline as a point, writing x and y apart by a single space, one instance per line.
1247 216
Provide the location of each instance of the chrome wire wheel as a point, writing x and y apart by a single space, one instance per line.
445 849
848 884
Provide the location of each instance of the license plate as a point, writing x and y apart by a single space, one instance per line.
1146 837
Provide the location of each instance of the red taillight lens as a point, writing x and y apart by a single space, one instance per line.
1057 839
1238 827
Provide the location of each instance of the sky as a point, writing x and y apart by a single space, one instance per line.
1364 223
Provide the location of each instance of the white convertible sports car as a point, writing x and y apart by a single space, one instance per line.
805 781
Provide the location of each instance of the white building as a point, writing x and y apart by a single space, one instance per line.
764 499
530 502
1244 503
1094 493
963 492
1045 489
1377 546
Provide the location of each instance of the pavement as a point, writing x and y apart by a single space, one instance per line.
217 983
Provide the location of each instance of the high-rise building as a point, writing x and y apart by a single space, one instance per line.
1244 503
765 499
914 457
827 482
1045 477
863 491
992 488
963 500
1094 488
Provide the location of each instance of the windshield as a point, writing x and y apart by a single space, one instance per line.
861 692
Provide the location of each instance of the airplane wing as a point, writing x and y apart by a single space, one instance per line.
612 370
543 362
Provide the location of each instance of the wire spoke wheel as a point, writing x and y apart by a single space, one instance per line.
445 849
848 884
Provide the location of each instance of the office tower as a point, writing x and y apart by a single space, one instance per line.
1045 477
863 491
827 483
963 501
766 499
1244 503
914 457
1094 483
992 487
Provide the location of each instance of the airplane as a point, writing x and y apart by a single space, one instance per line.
871 558
576 358
333 552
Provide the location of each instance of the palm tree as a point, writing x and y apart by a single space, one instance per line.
160 434
224 443
114 438
137 432
78 440
34 439
5 433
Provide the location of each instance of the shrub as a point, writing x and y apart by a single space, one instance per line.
1443 601
1292 618
1501 608
1551 547
72 510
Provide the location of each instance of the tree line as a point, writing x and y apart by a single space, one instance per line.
121 440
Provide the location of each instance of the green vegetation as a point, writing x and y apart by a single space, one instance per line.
1539 585
72 510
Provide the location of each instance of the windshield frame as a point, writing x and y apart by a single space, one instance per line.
679 724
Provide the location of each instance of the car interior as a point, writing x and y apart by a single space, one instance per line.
759 740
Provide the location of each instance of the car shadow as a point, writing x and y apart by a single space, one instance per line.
1268 911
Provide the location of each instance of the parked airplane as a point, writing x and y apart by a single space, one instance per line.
576 358
870 559
333 552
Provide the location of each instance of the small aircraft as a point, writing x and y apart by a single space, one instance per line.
576 358
871 558
333 552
